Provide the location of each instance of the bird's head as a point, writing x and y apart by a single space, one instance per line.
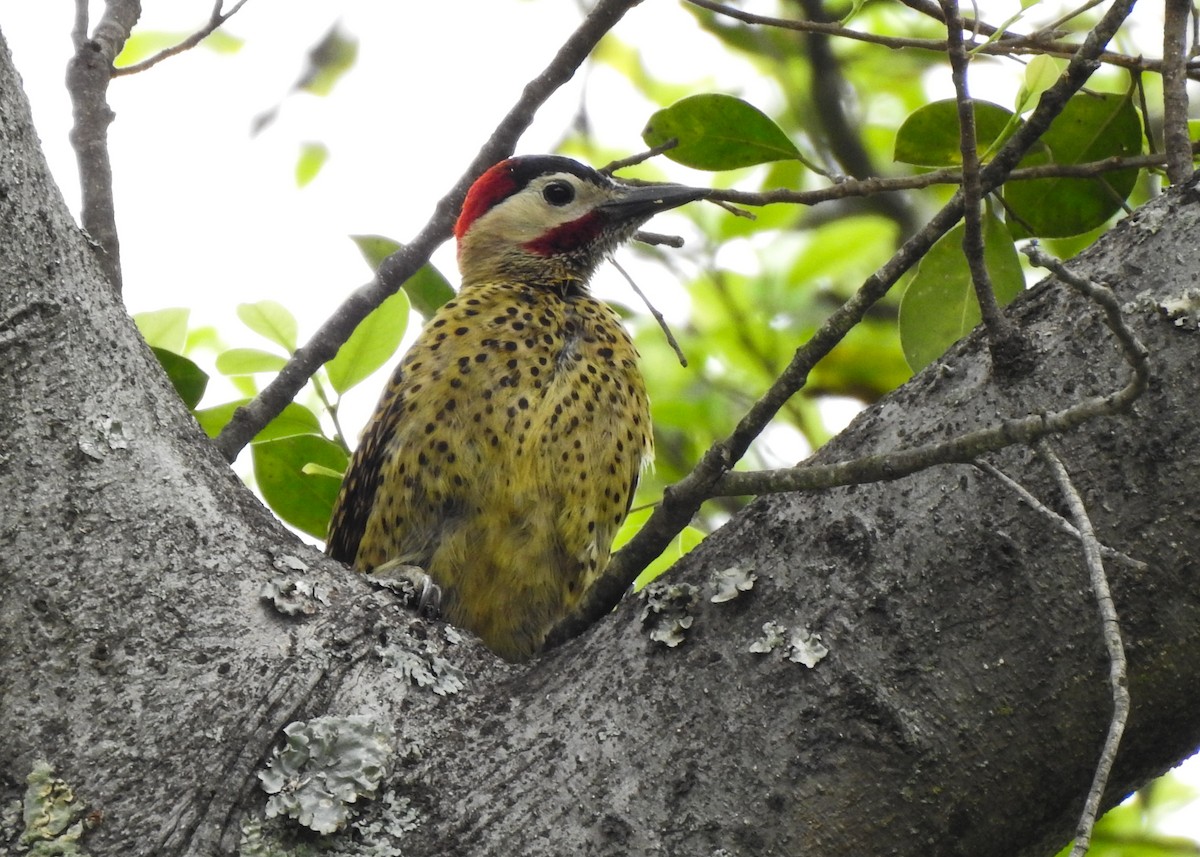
546 219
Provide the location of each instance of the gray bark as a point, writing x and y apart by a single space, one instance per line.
960 709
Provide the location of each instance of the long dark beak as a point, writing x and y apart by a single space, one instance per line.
640 203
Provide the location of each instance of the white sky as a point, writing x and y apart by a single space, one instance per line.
210 217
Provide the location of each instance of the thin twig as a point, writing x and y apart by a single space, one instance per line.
683 499
1007 43
248 420
641 157
215 20
1136 354
829 121
968 447
1066 18
999 329
946 175
1052 516
658 316
656 239
1176 140
1111 628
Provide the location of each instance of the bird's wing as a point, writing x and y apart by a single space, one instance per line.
361 483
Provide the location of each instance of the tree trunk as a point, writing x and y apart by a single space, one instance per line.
960 708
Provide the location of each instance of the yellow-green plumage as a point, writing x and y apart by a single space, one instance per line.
504 453
518 426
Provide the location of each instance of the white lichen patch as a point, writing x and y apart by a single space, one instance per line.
295 597
324 765
1183 309
668 611
797 645
773 637
421 667
805 648
731 583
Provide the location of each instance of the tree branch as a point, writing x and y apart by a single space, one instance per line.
1052 516
1111 629
248 420
1008 44
1001 333
1176 139
966 448
88 76
945 175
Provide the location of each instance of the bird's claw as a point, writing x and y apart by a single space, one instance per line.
415 588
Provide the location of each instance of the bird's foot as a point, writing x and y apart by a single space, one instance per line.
415 588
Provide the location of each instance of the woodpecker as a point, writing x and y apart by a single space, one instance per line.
504 452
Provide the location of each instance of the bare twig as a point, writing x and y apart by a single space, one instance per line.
658 316
1176 140
946 175
968 447
682 500
1007 44
1135 352
248 420
215 20
1111 628
88 75
655 239
827 117
1052 516
999 329
641 157
1067 17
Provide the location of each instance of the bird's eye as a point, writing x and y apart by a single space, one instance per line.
558 193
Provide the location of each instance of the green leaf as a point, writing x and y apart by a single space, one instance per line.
221 41
718 132
1092 127
271 320
304 500
189 379
1042 73
939 306
312 157
144 44
375 248
427 289
312 469
331 58
371 345
294 420
164 328
929 136
248 361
